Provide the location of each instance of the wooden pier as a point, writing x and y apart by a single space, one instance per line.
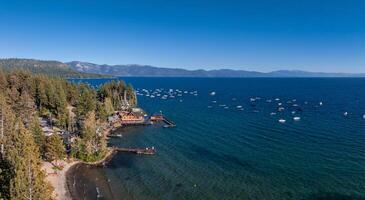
162 118
144 151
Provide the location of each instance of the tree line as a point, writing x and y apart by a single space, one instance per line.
76 108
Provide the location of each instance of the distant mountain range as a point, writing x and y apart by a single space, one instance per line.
151 71
77 69
52 68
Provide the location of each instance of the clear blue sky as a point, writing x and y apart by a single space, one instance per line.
312 35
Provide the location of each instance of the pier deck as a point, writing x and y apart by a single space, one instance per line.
162 118
145 151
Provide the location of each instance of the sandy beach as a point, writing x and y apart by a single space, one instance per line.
57 178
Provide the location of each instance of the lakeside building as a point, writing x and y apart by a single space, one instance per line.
133 116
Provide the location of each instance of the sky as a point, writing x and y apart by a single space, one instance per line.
259 35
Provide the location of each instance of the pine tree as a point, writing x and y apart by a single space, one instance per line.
61 106
108 106
132 98
54 148
40 93
92 143
38 135
29 180
3 82
6 169
101 112
86 102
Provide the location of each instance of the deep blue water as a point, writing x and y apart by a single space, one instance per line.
224 153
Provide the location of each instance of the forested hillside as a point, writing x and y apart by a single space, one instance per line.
78 109
52 68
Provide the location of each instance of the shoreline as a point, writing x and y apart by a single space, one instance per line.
58 178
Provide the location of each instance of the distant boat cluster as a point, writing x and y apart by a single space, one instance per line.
165 93
279 105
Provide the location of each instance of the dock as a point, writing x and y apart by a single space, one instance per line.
143 151
162 118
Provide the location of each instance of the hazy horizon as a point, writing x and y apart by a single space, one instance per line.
192 69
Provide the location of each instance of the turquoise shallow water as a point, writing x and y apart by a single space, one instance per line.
223 153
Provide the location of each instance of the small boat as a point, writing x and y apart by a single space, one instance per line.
296 118
214 101
272 113
281 109
363 116
212 93
279 104
282 121
238 107
345 114
226 107
321 103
